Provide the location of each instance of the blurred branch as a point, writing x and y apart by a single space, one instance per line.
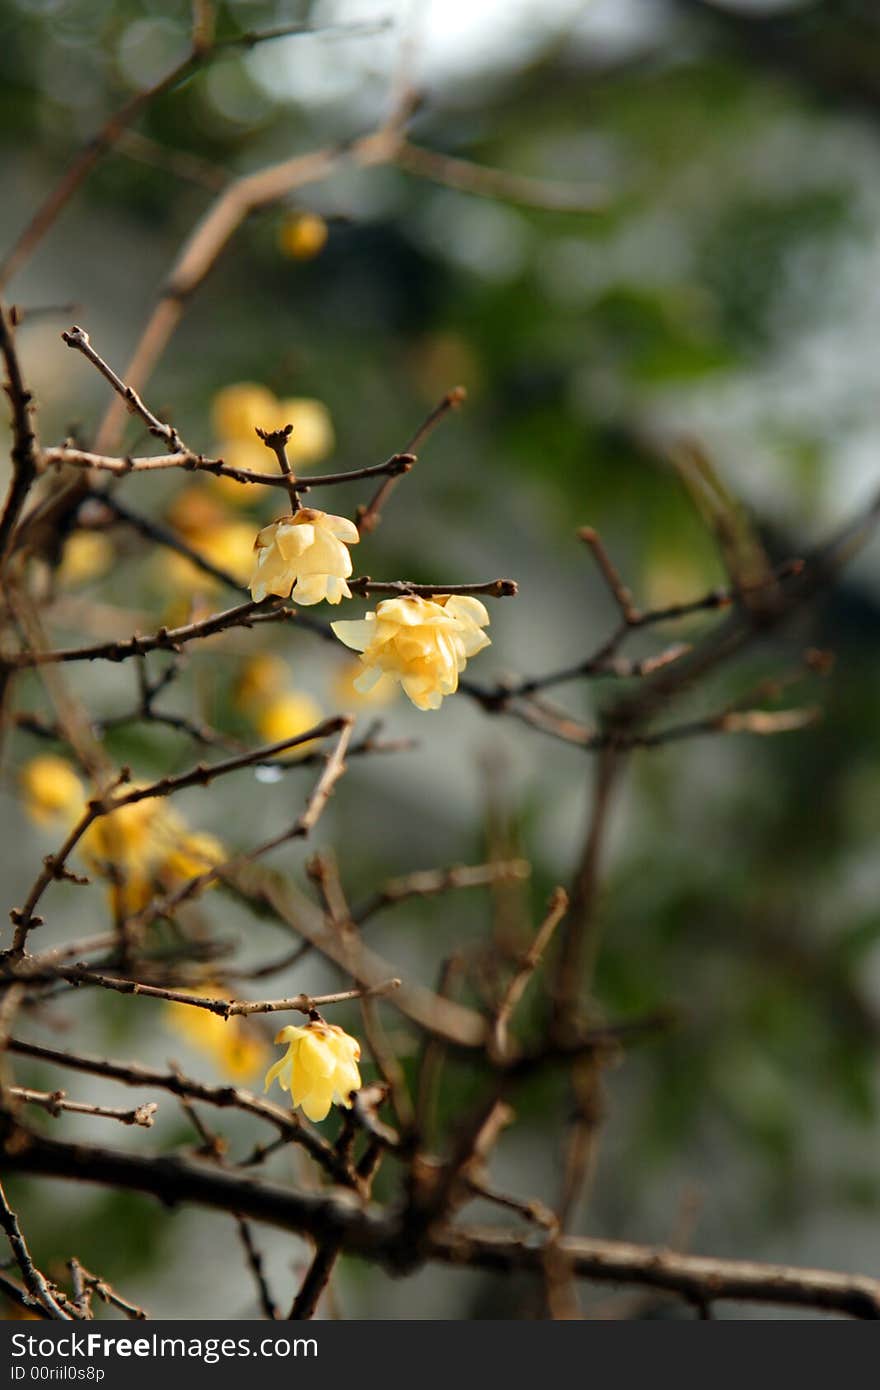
469 177
203 50
290 1127
24 453
35 1283
556 910
361 1229
368 517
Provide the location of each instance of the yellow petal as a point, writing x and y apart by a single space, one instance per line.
316 1104
357 634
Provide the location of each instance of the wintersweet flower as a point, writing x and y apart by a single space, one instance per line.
146 847
229 547
263 676
181 853
423 643
87 555
140 848
319 1068
51 789
240 410
347 696
235 1047
304 556
285 716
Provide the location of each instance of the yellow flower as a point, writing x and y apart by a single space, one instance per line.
139 847
287 715
238 1051
262 677
423 643
347 696
302 236
52 791
239 411
87 555
319 1068
305 550
144 847
312 438
195 512
119 847
185 855
229 547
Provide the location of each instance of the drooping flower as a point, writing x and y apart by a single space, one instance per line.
52 791
423 643
319 1068
304 556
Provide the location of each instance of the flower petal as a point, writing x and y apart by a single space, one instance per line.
316 1104
356 633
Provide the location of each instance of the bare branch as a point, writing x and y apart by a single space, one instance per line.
36 1284
56 1102
25 457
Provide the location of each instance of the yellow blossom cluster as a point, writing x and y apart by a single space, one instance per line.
319 1068
241 409
276 709
141 848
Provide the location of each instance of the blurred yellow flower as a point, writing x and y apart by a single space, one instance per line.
119 847
183 854
304 556
319 1068
263 676
347 696
287 715
239 410
302 235
87 555
237 1049
423 643
139 848
312 438
51 789
195 511
229 546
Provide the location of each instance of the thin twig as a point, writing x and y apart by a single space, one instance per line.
35 1283
55 1102
368 517
556 910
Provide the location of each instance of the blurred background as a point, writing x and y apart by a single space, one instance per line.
726 286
